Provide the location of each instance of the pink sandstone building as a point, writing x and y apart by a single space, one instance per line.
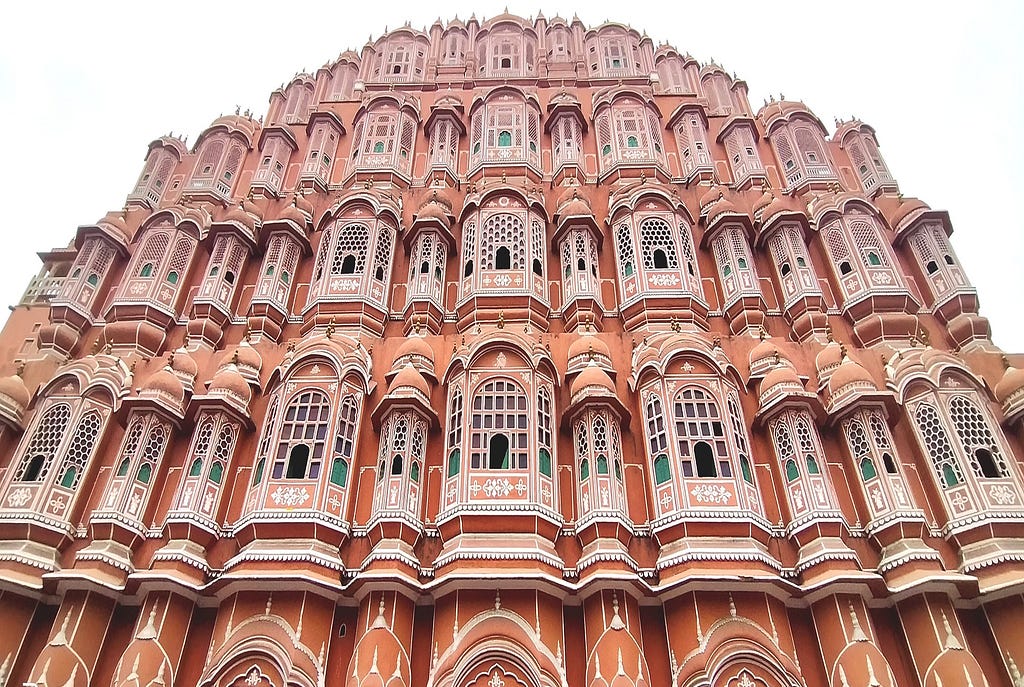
511 353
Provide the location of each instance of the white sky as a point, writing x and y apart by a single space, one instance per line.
85 86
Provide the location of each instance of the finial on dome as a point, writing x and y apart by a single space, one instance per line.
842 351
501 319
732 606
676 327
416 324
762 334
329 331
497 599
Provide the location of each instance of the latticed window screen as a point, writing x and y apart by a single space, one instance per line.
700 433
349 256
454 432
180 258
152 253
809 146
43 445
657 246
624 244
865 237
567 140
79 450
974 432
207 165
503 231
785 449
499 439
739 437
151 450
938 446
785 149
202 445
344 443
836 243
383 252
303 438
656 435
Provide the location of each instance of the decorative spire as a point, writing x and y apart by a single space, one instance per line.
732 606
61 638
497 599
616 623
858 634
951 641
1018 681
501 319
379 621
149 631
329 331
872 680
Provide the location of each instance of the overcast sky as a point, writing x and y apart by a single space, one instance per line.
85 86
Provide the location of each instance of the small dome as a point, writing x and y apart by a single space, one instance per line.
576 207
229 381
780 375
182 363
245 356
764 201
434 211
408 377
775 208
415 345
303 204
238 215
764 350
164 382
1010 384
115 221
567 194
251 207
585 345
710 196
14 388
849 372
828 358
591 377
723 206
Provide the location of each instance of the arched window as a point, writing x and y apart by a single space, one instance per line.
303 437
938 446
42 447
657 246
79 450
503 242
700 432
976 437
454 432
499 439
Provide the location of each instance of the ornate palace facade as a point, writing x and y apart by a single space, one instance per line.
511 353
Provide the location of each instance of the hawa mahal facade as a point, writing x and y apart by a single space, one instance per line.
511 353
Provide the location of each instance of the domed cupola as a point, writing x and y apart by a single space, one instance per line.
710 197
407 389
588 348
593 385
249 362
1009 392
14 399
827 361
165 390
781 385
414 351
762 356
230 386
848 384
